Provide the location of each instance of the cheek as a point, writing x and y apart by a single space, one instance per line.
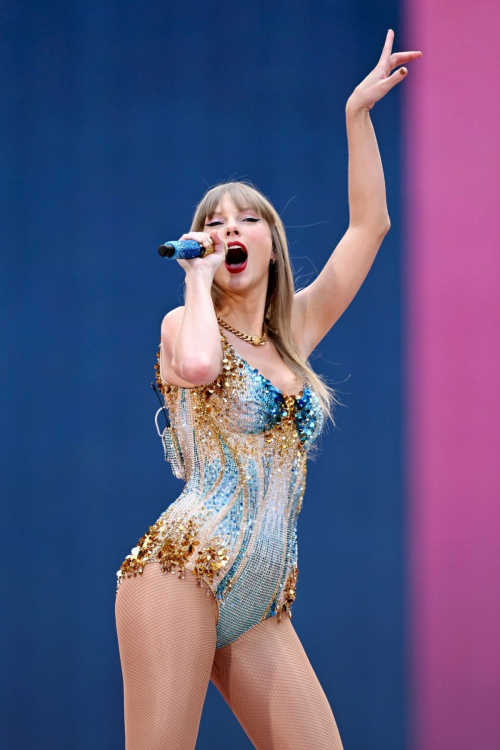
263 237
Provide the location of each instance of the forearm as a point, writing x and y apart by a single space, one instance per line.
197 345
367 198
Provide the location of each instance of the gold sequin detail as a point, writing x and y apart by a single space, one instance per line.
172 549
288 594
210 562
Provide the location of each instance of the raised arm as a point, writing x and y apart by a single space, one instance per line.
318 306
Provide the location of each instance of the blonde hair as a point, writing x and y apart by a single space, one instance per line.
281 288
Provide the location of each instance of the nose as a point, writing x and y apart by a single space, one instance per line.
231 229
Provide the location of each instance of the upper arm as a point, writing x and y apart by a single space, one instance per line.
169 329
317 307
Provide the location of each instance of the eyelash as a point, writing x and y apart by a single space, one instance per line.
249 218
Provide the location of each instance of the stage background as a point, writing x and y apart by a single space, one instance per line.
115 118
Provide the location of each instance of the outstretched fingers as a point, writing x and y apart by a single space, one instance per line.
386 52
398 58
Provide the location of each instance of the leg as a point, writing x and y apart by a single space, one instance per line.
271 687
166 636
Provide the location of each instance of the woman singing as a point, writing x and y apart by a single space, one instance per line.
206 594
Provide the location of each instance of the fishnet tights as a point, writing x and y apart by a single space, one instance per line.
166 636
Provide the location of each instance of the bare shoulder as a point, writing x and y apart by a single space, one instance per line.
169 329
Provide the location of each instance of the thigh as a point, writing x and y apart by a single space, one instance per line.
166 630
268 681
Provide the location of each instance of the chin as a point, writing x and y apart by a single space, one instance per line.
227 279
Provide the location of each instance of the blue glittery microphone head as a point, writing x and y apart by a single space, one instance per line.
184 249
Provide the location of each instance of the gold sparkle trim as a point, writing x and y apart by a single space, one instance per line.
288 594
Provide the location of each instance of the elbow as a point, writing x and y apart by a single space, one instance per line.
382 229
382 226
378 227
197 371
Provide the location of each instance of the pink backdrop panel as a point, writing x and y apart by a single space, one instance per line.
452 302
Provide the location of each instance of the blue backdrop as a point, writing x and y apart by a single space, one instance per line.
116 116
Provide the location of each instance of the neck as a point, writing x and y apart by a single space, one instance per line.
245 314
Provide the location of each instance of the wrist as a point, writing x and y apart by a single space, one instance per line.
353 107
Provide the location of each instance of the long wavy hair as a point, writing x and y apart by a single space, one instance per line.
280 288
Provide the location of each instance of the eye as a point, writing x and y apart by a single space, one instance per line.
213 223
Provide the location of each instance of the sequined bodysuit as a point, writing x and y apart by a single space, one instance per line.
241 446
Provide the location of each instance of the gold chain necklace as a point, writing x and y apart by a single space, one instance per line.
255 340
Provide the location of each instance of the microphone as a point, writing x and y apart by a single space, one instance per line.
186 249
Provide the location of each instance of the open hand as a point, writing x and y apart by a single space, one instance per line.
379 81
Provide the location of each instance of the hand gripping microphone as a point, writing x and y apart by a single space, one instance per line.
186 249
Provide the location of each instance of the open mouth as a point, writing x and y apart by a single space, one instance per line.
236 258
